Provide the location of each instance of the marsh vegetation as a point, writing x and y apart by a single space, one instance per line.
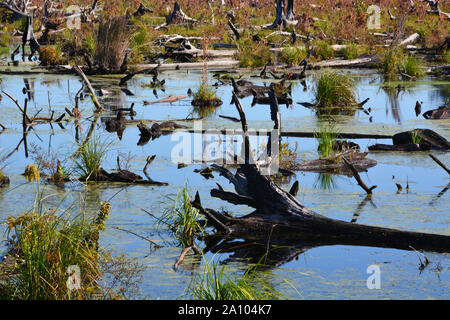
128 87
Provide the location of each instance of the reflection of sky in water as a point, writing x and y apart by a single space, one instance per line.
325 272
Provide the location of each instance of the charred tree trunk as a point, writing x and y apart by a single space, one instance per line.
279 214
282 19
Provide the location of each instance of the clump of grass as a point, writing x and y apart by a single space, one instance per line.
50 56
392 61
205 95
89 157
44 244
220 284
47 248
252 55
182 218
413 67
322 50
48 164
293 55
396 60
335 89
353 51
326 137
4 41
415 137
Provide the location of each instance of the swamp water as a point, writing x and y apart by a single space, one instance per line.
327 272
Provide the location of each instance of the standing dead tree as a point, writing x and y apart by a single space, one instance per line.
20 10
177 15
283 19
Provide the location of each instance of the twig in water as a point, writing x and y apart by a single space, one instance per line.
440 163
358 178
157 246
183 253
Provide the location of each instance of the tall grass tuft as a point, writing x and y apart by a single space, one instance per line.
112 43
413 67
182 217
293 55
326 136
353 51
396 60
335 89
89 157
322 50
44 243
220 284
391 62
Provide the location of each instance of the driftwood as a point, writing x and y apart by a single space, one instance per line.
156 130
357 176
87 83
244 88
414 140
442 112
337 164
279 216
4 181
282 99
427 138
125 176
169 99
403 147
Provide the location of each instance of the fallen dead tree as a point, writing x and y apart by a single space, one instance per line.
279 216
414 140
442 112
283 217
337 163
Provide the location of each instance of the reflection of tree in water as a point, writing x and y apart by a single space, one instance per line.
392 94
441 92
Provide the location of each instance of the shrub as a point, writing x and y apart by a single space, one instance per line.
251 55
50 56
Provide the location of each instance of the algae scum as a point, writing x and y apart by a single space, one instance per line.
327 272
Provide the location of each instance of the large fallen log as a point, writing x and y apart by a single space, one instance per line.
283 217
336 163
414 140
